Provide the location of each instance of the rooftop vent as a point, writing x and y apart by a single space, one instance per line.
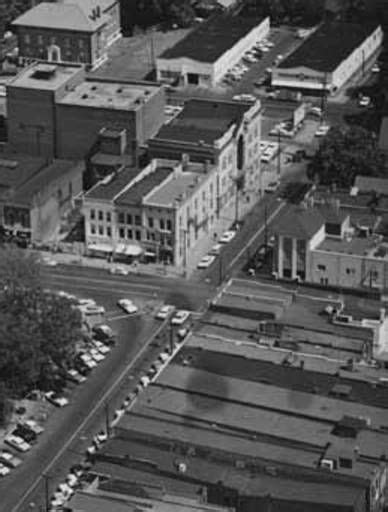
44 72
84 96
93 88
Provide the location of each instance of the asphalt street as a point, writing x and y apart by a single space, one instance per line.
69 431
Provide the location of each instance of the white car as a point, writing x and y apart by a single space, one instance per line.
17 442
364 101
128 306
216 249
4 471
244 97
49 262
122 271
144 381
88 361
163 356
227 237
376 69
206 261
75 376
271 187
101 347
180 317
90 310
96 355
86 302
9 459
72 480
165 311
316 111
33 426
58 401
322 130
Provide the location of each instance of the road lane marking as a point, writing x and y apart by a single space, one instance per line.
257 234
81 426
115 291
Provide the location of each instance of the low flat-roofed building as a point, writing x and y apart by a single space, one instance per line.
329 57
35 196
210 50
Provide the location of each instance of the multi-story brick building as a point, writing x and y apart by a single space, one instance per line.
69 31
54 111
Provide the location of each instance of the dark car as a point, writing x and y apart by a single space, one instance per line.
25 433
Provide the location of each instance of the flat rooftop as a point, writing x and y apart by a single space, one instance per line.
328 46
182 185
108 188
211 39
203 120
45 76
367 247
110 95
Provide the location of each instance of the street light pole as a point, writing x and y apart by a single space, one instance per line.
279 153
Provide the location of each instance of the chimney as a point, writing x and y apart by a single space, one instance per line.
98 11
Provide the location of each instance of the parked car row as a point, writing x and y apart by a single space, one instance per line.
207 260
251 56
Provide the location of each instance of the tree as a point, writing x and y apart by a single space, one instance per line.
19 269
345 153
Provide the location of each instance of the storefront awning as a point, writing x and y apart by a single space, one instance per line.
300 84
100 247
129 249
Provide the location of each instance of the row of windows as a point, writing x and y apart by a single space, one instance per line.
100 215
28 39
130 219
101 230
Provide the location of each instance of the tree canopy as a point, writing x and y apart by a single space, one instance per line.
38 329
345 153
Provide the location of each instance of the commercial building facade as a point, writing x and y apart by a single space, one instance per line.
54 111
161 212
329 57
69 31
209 51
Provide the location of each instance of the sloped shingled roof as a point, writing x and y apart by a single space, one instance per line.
62 16
203 120
134 194
213 38
328 46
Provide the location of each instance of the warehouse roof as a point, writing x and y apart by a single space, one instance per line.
139 190
328 46
69 15
203 121
213 38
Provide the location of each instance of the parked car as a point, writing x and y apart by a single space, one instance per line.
74 376
227 237
322 130
4 470
96 355
163 357
364 101
56 399
180 317
216 249
316 111
17 442
8 459
206 261
48 261
87 361
119 270
128 306
272 187
104 333
25 433
165 311
101 347
376 69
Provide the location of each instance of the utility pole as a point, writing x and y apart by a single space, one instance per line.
171 329
323 97
107 424
265 226
46 480
279 154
